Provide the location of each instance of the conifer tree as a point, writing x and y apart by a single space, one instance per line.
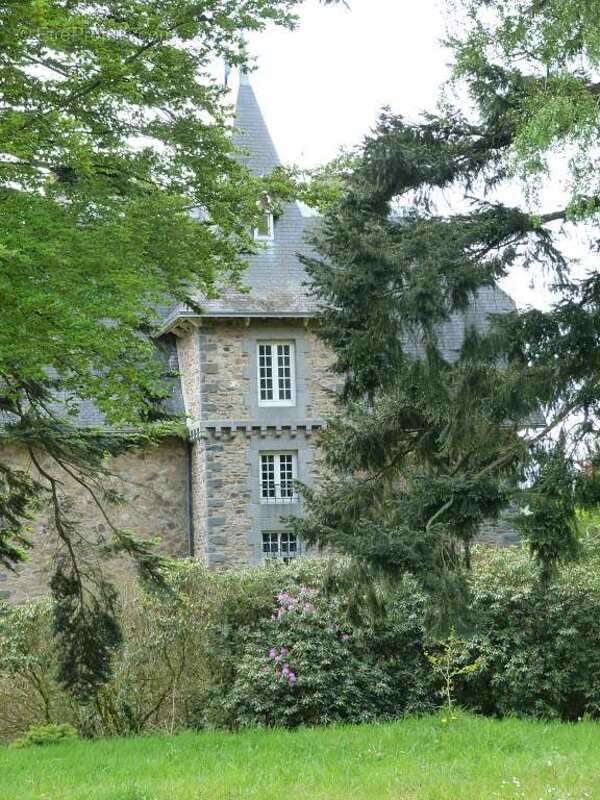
429 444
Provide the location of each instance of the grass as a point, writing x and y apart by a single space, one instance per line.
468 759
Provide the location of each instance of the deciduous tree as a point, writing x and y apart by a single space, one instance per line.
119 192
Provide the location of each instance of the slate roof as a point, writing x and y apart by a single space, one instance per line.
274 277
488 302
251 133
89 416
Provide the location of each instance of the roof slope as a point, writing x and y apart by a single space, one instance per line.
88 415
251 133
274 278
488 301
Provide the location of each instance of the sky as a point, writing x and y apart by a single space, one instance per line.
322 86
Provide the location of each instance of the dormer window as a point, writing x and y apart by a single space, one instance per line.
264 231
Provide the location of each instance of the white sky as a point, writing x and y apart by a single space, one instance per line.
322 86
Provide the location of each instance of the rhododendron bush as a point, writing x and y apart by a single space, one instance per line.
306 666
277 646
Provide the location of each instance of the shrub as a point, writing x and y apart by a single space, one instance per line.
29 693
397 641
539 646
162 663
303 666
271 646
243 602
39 735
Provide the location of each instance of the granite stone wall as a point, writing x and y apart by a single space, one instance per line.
223 385
188 354
218 366
220 389
500 533
154 483
199 500
323 385
228 525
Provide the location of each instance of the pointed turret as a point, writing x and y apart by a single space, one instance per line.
252 134
274 275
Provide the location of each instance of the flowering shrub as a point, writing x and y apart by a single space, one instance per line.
269 646
304 667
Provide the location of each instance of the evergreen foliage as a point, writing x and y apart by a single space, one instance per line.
41 735
272 646
429 442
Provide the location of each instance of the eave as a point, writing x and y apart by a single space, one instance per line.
182 324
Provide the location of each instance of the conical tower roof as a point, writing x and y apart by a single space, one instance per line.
275 277
251 135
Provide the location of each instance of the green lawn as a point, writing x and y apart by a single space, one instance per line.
470 759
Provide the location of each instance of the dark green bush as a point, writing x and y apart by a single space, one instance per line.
379 671
304 666
213 651
397 641
540 644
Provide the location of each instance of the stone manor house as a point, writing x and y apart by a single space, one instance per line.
255 388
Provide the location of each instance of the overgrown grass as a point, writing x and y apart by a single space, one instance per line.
467 759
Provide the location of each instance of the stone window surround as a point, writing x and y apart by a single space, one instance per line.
280 545
277 414
277 479
270 235
271 516
275 375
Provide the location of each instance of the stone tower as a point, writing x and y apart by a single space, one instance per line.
255 382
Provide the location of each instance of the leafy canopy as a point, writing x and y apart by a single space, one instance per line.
535 63
119 194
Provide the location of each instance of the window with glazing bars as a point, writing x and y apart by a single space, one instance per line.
277 475
280 544
265 229
276 378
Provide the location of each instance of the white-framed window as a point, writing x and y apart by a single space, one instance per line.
276 374
280 544
265 230
278 471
